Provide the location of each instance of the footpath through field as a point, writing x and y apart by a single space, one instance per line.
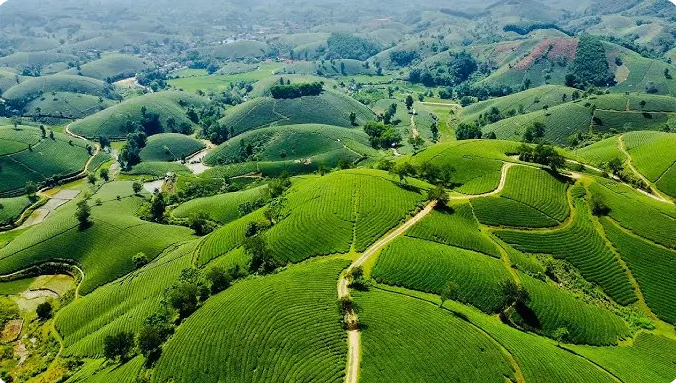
353 335
654 192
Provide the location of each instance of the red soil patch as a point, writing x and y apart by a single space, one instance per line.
553 49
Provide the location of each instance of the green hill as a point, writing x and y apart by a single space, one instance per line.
111 67
21 94
237 50
331 68
113 222
170 147
112 122
222 208
35 58
330 108
293 143
26 156
605 113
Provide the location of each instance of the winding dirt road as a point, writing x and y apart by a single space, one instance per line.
353 335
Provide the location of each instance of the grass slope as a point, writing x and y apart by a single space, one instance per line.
170 147
111 122
278 328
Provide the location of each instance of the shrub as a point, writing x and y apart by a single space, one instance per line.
44 310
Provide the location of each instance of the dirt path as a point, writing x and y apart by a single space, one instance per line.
440 104
414 129
501 185
195 162
353 335
655 194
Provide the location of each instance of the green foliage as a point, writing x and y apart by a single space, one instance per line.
580 244
650 265
169 147
428 266
221 208
125 305
44 310
542 154
406 338
82 214
246 337
382 135
585 323
467 132
455 226
494 211
296 90
330 108
328 215
538 189
49 160
590 67
118 345
126 117
347 46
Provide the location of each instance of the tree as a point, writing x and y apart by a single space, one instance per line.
438 194
353 118
82 213
183 298
118 345
598 207
218 279
103 173
262 260
449 292
513 294
417 142
200 223
642 103
615 165
409 102
140 260
91 178
31 188
382 135
561 335
44 310
435 131
157 206
467 132
104 141
136 187
403 170
149 340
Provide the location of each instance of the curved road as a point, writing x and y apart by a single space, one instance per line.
353 336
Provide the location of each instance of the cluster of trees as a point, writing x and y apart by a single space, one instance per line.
430 172
403 58
524 29
155 79
130 154
535 132
590 67
296 90
348 46
466 131
382 135
541 154
181 299
456 71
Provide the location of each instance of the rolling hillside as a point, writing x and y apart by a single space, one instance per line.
112 122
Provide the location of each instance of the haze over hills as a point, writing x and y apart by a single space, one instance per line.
337 191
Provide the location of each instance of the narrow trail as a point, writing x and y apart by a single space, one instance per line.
353 335
414 129
501 185
655 194
440 104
